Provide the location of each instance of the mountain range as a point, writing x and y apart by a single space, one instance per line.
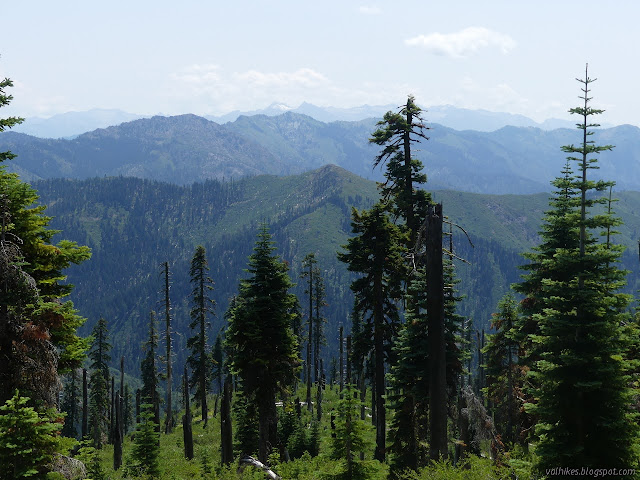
188 148
72 124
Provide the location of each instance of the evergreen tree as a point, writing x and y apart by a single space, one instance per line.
71 405
350 436
309 269
144 460
149 370
376 253
33 313
247 432
319 301
91 458
199 359
408 391
408 380
505 378
397 132
28 439
581 382
99 383
265 352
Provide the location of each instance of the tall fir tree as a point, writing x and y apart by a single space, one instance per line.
265 352
319 339
376 253
99 383
199 359
581 377
309 269
149 370
397 133
559 233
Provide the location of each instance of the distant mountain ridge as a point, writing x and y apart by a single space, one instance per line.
188 148
71 124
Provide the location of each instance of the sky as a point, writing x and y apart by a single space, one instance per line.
210 57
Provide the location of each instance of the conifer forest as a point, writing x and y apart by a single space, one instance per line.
318 325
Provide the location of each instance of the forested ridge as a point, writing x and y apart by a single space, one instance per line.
324 326
133 225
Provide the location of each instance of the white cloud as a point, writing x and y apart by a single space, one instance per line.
370 10
305 77
462 43
210 89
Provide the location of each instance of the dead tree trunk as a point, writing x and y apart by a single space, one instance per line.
120 422
436 339
85 404
117 434
341 360
112 410
168 423
226 432
137 406
310 340
187 430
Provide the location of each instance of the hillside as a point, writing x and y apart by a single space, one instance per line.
133 225
174 149
186 149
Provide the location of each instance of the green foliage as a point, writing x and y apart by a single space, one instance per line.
396 133
264 350
199 360
28 439
71 405
471 468
6 123
146 447
581 370
99 383
408 390
91 458
149 369
505 378
31 298
350 436
300 434
245 424
376 252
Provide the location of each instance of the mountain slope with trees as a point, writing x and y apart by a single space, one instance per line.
134 225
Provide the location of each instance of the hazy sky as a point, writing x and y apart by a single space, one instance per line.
211 57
